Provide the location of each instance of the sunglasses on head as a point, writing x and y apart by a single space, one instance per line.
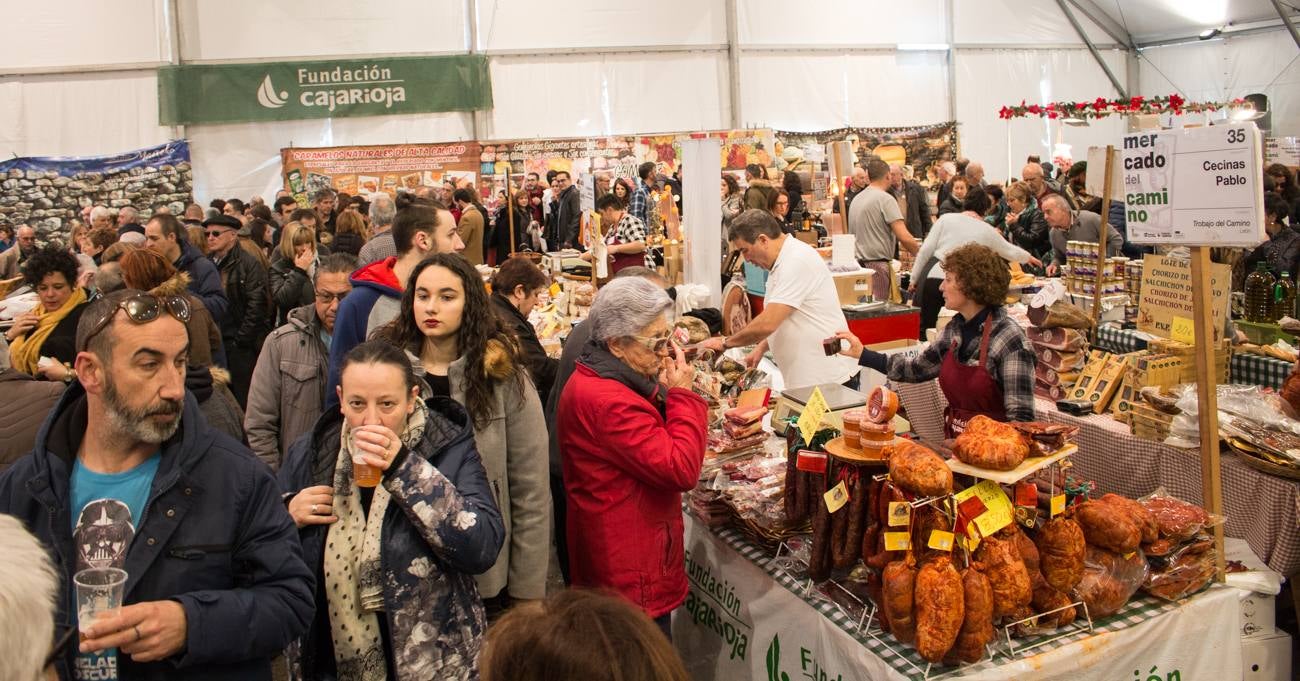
143 308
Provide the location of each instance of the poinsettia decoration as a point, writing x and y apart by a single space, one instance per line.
1101 107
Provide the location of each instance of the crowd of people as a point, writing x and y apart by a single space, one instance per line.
330 452
318 444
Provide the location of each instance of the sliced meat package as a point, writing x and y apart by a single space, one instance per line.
1060 361
1062 340
1176 520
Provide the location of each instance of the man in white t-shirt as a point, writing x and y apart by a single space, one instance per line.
801 310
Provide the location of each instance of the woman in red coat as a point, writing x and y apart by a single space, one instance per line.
632 436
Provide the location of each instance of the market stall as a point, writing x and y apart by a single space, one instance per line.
750 616
1262 509
1252 369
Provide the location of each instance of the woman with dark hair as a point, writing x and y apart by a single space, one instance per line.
395 516
472 224
515 288
733 201
1282 250
501 233
949 232
50 328
956 195
981 358
794 191
447 322
579 634
779 206
349 233
623 190
1284 184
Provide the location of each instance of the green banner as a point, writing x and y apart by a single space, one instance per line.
281 91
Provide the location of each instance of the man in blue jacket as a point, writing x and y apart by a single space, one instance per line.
165 235
421 229
126 474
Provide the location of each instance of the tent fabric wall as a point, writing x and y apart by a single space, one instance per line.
1220 70
816 65
989 79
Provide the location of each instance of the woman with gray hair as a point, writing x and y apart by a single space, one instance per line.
632 434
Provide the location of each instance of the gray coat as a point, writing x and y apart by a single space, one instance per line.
514 451
287 393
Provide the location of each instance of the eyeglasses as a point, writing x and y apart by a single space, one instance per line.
142 308
325 297
655 344
214 233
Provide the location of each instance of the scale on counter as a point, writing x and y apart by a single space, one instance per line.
838 398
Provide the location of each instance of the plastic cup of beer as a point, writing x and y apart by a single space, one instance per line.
99 590
365 474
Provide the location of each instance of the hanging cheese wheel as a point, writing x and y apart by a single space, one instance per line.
882 405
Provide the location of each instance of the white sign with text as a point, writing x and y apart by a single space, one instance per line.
1196 186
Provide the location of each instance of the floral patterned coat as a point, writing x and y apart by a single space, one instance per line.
442 528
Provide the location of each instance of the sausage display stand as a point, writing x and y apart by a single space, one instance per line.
752 615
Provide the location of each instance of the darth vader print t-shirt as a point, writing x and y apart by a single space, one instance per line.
106 510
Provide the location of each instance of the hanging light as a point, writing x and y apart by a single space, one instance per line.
1076 121
1210 34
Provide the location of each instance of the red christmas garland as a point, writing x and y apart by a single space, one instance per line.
1101 107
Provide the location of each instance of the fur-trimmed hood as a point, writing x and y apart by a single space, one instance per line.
177 285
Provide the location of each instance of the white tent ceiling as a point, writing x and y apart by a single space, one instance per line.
77 79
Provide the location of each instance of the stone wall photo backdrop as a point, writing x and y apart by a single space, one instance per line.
48 192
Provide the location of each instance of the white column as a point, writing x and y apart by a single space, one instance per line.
702 214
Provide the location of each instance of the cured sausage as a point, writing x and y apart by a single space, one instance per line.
858 505
1061 549
977 623
940 608
1108 526
1007 575
899 592
819 560
918 470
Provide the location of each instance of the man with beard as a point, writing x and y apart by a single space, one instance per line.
127 474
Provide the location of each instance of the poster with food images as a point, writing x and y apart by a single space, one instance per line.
367 170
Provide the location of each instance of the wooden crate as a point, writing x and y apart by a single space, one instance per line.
1147 422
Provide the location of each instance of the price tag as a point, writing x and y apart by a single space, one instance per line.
812 415
897 541
971 543
836 497
940 540
811 462
997 511
556 289
1058 504
900 514
1026 494
1182 329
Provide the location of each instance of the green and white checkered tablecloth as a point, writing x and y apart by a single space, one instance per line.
904 658
1245 368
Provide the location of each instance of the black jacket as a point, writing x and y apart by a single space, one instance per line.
205 281
540 366
214 536
568 220
249 292
918 209
501 233
291 288
348 243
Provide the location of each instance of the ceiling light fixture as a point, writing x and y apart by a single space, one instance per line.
1210 33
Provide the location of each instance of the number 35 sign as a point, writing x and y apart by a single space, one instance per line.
1196 186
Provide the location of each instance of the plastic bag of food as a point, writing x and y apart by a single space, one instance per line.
1182 573
1059 314
1110 580
1177 521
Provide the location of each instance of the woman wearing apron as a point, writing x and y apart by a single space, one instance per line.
624 236
982 359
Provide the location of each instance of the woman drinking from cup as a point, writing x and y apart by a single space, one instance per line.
395 515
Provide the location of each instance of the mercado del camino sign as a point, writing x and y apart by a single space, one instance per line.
281 91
